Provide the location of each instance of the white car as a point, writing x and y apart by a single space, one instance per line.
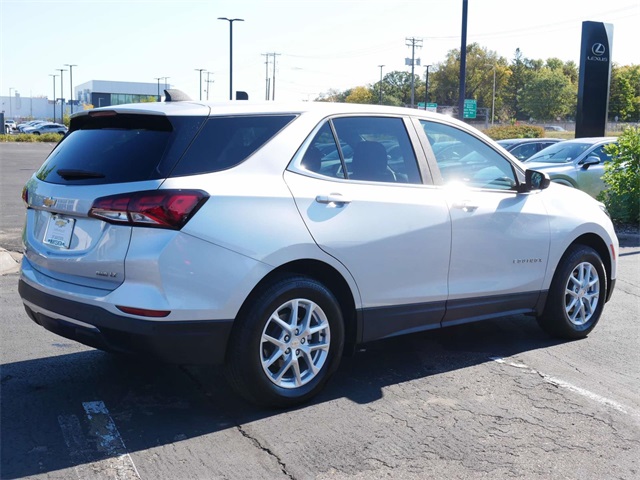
274 238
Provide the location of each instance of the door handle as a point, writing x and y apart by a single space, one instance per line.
333 198
465 206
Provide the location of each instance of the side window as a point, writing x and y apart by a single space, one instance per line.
463 158
374 149
599 152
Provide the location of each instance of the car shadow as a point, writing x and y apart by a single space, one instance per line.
155 404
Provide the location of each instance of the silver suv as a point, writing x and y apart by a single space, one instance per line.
275 238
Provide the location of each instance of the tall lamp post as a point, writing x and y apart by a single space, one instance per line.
165 82
200 70
158 79
61 95
71 81
54 96
426 88
380 100
231 20
493 99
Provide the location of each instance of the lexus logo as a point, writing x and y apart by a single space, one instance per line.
598 49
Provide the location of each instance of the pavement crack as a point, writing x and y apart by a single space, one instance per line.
268 451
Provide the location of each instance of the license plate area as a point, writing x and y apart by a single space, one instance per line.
58 232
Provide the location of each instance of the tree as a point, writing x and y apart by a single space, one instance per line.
361 95
624 98
548 94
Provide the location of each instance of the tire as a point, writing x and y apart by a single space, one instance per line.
277 360
577 294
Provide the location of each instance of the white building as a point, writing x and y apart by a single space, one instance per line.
103 93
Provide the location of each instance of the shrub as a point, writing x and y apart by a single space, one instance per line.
515 131
26 137
622 176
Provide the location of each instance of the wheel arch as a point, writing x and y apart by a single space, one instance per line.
599 245
331 279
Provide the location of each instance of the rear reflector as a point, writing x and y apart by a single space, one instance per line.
170 209
144 312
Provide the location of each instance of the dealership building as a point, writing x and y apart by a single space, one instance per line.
95 93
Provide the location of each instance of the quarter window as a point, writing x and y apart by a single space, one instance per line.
463 158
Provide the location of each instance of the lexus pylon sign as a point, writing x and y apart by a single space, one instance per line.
594 80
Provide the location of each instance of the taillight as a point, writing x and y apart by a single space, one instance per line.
25 196
155 208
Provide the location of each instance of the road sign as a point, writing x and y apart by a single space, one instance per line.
470 108
432 107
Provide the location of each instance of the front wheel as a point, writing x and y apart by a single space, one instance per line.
577 294
287 344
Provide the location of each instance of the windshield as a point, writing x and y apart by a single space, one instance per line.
562 152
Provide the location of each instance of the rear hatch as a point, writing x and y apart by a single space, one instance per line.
107 153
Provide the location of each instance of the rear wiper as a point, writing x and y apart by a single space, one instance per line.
78 174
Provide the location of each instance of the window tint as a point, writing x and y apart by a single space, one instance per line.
464 158
373 149
118 148
600 153
227 141
524 151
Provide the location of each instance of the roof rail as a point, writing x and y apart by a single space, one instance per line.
175 95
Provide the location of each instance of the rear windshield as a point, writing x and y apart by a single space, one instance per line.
131 147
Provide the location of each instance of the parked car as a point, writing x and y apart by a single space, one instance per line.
243 234
554 128
9 126
577 163
30 123
523 148
43 128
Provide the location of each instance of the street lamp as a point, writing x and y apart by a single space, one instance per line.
493 99
61 95
71 81
380 101
208 82
158 79
165 82
10 112
54 96
426 88
200 70
231 20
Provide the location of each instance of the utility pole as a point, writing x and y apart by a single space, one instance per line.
200 70
413 43
158 79
273 83
266 74
71 81
209 82
380 101
54 96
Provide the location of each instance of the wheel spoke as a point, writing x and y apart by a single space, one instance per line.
276 355
284 325
278 343
285 367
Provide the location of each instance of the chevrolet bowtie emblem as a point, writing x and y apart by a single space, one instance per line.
49 202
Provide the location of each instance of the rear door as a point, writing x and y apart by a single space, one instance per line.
365 204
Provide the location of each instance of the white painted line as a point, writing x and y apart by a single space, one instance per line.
119 464
111 460
580 391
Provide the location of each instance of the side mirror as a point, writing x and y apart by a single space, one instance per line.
590 160
534 180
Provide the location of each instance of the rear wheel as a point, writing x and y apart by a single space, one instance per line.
577 294
287 344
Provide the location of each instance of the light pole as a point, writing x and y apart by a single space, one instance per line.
71 81
493 99
209 82
10 111
380 101
158 79
426 88
231 20
165 82
61 95
54 96
200 70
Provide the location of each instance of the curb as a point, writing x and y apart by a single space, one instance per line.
9 262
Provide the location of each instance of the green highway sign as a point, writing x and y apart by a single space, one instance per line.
432 107
470 108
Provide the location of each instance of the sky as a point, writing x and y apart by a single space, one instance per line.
321 45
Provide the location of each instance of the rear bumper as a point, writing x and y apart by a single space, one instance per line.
182 342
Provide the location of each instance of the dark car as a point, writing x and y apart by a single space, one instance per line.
523 148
